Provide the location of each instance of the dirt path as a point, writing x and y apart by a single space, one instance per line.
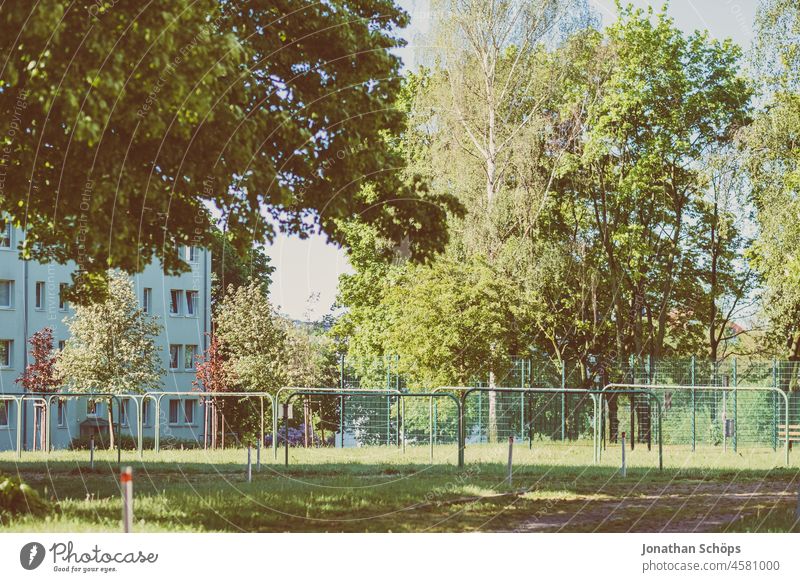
703 507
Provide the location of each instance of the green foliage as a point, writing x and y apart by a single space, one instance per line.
18 498
111 345
229 268
129 122
253 341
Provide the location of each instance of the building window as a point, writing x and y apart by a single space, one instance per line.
175 300
62 413
61 345
39 294
5 234
189 353
174 408
192 253
3 413
91 407
6 294
188 411
191 302
147 299
123 411
146 413
63 305
5 353
174 356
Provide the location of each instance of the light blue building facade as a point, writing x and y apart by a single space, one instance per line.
31 299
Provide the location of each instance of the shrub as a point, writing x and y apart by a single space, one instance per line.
17 497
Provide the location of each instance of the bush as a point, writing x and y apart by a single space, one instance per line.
17 497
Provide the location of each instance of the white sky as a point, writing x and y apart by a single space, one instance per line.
307 271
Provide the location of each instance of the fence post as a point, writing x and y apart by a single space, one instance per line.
694 409
735 409
522 402
249 465
461 436
510 456
774 405
480 412
624 469
563 402
286 438
126 482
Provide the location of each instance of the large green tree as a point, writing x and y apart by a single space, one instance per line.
774 164
124 122
112 346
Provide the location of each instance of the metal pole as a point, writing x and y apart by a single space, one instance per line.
286 438
460 438
510 455
694 410
258 457
624 469
91 453
249 466
403 411
480 412
522 402
735 409
774 405
563 403
724 421
430 424
126 483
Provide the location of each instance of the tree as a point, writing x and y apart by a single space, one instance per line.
112 346
312 363
41 376
481 122
212 377
229 268
254 345
125 123
773 163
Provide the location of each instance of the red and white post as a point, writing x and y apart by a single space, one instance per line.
126 485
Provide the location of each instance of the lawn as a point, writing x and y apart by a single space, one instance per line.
554 488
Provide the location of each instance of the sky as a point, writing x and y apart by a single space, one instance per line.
307 271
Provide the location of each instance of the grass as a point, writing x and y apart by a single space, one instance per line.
554 488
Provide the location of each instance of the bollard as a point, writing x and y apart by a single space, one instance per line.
510 453
91 453
126 485
249 466
624 468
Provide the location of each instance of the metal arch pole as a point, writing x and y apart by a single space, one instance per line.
694 409
19 427
786 442
430 424
403 411
261 441
461 435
